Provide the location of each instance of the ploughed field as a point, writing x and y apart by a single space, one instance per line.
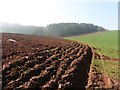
44 63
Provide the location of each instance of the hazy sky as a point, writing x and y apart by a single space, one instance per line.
43 12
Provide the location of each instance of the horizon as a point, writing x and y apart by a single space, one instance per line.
40 13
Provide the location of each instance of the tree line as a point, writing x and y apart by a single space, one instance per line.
53 30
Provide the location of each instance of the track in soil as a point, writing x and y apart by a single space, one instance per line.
44 63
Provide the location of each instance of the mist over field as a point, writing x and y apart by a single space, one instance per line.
59 44
53 30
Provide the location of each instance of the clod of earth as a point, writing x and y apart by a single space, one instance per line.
44 63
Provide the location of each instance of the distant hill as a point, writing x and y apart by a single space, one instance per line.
54 30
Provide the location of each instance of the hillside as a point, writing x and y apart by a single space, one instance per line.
37 62
107 42
105 64
52 30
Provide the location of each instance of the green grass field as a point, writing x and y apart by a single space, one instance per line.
108 43
109 68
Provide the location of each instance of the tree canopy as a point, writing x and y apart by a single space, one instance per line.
53 30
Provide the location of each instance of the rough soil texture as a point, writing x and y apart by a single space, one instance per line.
44 63
100 81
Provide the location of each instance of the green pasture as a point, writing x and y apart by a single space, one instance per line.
107 42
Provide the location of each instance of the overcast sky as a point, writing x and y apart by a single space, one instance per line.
43 12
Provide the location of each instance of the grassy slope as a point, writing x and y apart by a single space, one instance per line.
108 43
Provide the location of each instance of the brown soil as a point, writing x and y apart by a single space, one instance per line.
50 64
100 81
44 63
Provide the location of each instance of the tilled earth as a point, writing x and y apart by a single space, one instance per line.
44 63
100 81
